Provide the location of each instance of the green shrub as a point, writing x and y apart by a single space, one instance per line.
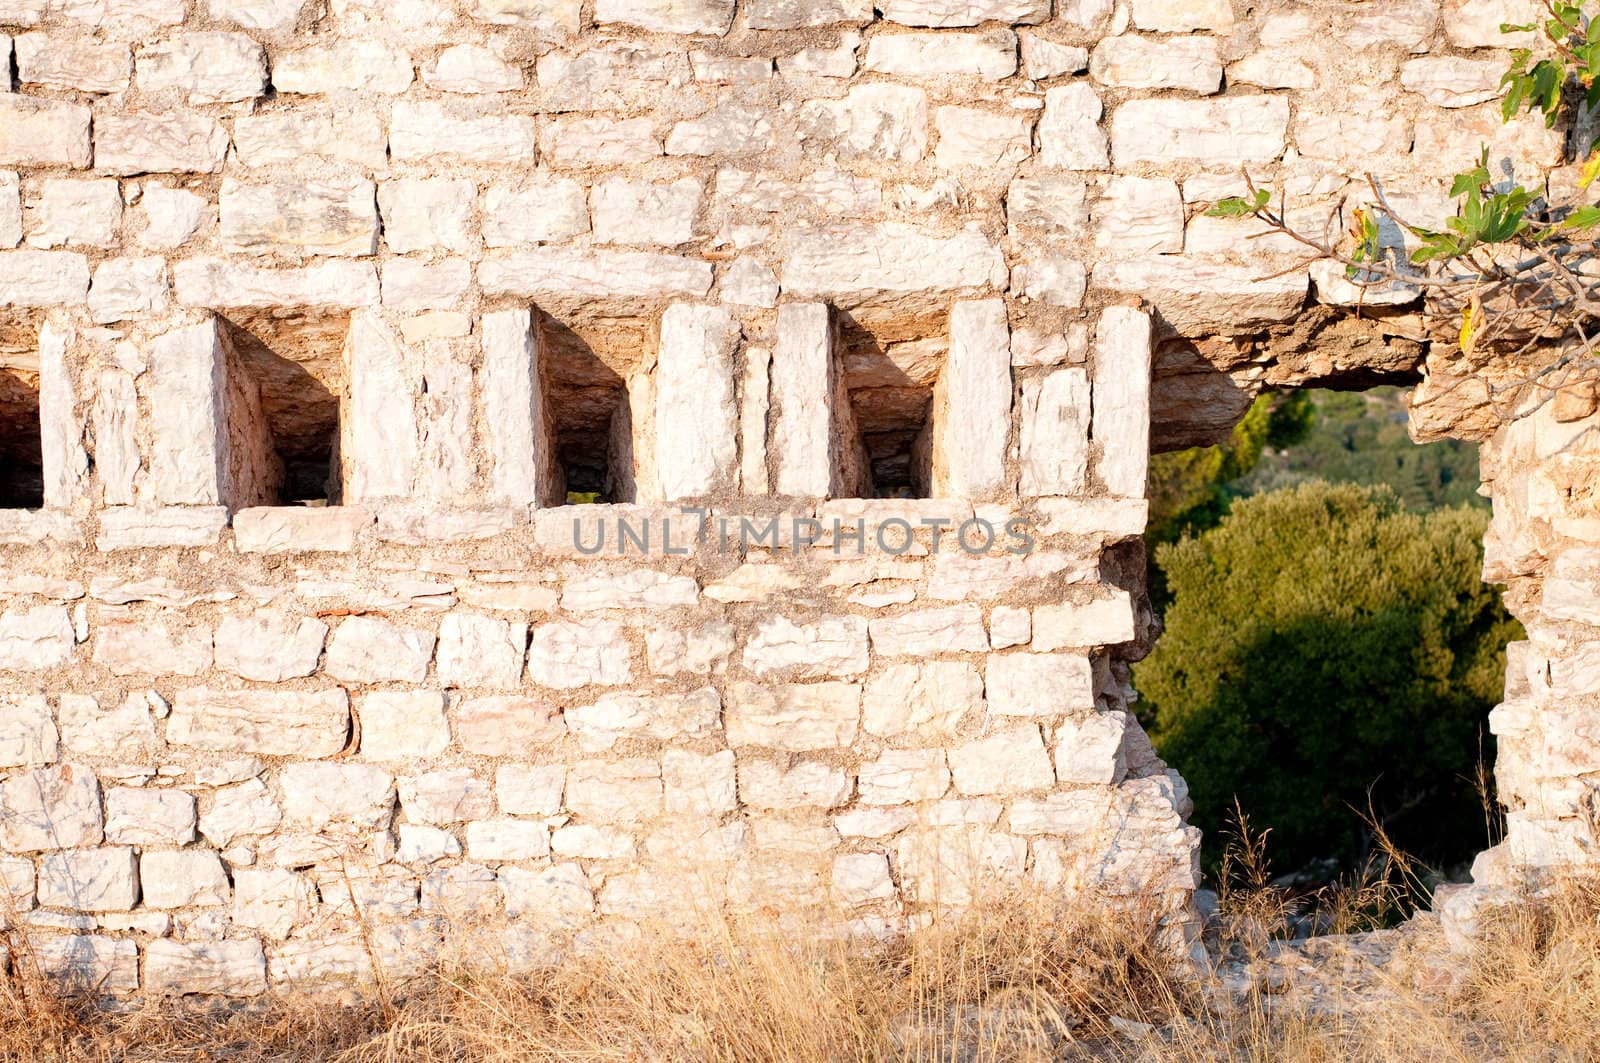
1324 644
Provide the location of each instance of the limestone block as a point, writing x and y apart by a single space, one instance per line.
803 370
970 136
125 288
857 263
518 434
1052 280
440 798
881 121
22 12
1122 400
766 784
271 900
904 776
89 964
1190 64
802 14
946 13
402 724
277 723
341 134
730 70
1043 58
680 650
991 56
1070 137
127 732
55 62
1100 622
1449 81
208 67
563 272
136 816
367 650
269 646
931 696
128 528
40 132
953 865
664 716
89 880
726 131
224 284
317 796
240 812
1055 433
568 655
838 61
621 791
530 790
134 142
793 717
1200 297
645 214
1051 205
1476 23
425 845
1219 133
352 65
1010 626
711 17
861 880
580 142
506 726
471 69
183 878
1039 684
153 647
699 784
427 130
557 896
534 210
379 440
928 632
27 732
833 646
1006 762
749 283
10 210
1139 215
17 879
970 445
331 214
1183 16
122 18
1093 749
35 639
476 651
269 15
1273 69
43 278
170 215
497 840
547 16
213 968
421 214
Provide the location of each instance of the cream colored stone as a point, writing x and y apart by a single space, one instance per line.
794 717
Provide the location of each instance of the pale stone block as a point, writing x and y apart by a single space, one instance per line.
880 121
622 791
299 529
188 451
750 283
428 130
534 210
1043 58
1183 16
271 900
547 16
208 67
958 629
125 288
89 964
378 424
860 880
35 639
1122 400
904 776
43 278
410 286
127 732
129 528
990 56
1220 133
645 214
838 61
239 812
269 15
170 216
17 879
331 214
317 796
727 131
679 650
831 647
932 695
421 214
339 134
970 448
991 140
1055 433
1070 137
122 18
154 647
1139 215
441 798
504 726
1093 749
634 588
519 440
402 724
569 273
699 784
425 845
466 889
10 210
1101 622
367 650
803 372
530 790
40 132
942 14
1010 626
568 655
1052 280
137 816
269 646
558 895
1448 81
793 717
22 12
89 880
711 17
471 69
270 722
580 142
1190 64
476 651
158 142
1197 295
1007 762
730 70
352 65
857 264
212 968
663 716
71 64
802 14
497 840
183 878
954 865
1039 684
28 735
764 784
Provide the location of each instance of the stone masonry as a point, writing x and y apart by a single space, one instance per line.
319 319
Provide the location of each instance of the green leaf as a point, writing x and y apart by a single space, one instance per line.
1582 218
1507 27
1239 207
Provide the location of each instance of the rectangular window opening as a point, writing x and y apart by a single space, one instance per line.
890 387
295 364
21 460
585 381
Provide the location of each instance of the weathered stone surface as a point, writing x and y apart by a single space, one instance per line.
711 17
506 726
884 121
127 732
154 647
700 785
1447 81
471 69
89 964
1070 137
1100 622
1183 16
218 968
269 646
240 811
149 817
933 696
271 900
860 263
990 56
532 211
1220 133
969 459
27 732
367 650
427 130
327 215
625 791
663 716
183 878
225 285
1039 684
557 896
800 14
402 724
696 419
834 646
568 655
1132 62
63 63
1043 58
42 278
40 132
793 716
904 776
128 288
477 651
444 797
269 722
957 629
37 638
595 274
1006 762
89 880
969 136
1121 419
946 13
348 65
1055 433
319 796
1093 749
206 67
1203 297
766 784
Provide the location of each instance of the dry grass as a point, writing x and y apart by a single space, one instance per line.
1014 979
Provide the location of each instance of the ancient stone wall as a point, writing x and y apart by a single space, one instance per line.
319 318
